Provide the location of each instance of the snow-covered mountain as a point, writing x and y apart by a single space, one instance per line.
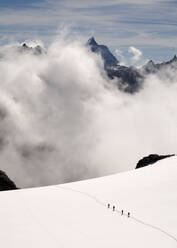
152 67
37 50
77 214
108 58
129 79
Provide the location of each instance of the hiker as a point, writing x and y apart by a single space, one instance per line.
113 208
128 215
108 205
122 212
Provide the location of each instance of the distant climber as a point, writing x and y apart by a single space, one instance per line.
113 208
122 212
108 205
128 214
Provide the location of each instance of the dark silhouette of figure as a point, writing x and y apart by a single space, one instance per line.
108 205
113 208
122 212
128 215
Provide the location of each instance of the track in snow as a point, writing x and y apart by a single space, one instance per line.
133 218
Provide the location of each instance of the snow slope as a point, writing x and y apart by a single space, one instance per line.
76 214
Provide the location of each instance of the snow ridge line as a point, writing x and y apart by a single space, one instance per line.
84 193
105 204
155 227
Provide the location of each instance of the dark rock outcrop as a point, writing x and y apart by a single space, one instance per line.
151 159
6 183
129 79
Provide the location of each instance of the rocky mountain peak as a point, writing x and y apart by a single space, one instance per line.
37 50
150 62
174 58
92 42
108 58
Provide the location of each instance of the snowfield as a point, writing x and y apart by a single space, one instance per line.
76 214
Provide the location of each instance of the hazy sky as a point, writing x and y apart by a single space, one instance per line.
150 26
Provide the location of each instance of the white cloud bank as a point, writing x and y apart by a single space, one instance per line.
136 53
60 120
121 57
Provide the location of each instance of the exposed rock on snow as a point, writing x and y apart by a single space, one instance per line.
151 159
5 182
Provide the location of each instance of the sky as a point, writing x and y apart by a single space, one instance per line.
148 25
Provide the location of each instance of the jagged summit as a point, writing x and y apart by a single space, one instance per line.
37 50
108 58
24 45
151 67
150 62
174 58
92 42
129 78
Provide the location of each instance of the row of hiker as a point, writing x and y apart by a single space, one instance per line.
122 211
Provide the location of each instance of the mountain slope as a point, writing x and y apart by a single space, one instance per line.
129 79
151 67
108 58
76 214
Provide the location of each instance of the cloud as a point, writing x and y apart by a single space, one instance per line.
97 3
136 53
63 120
121 57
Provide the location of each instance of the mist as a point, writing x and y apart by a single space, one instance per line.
63 120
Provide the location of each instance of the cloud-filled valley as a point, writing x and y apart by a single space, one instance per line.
62 119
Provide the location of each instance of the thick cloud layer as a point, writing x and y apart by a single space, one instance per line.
61 119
